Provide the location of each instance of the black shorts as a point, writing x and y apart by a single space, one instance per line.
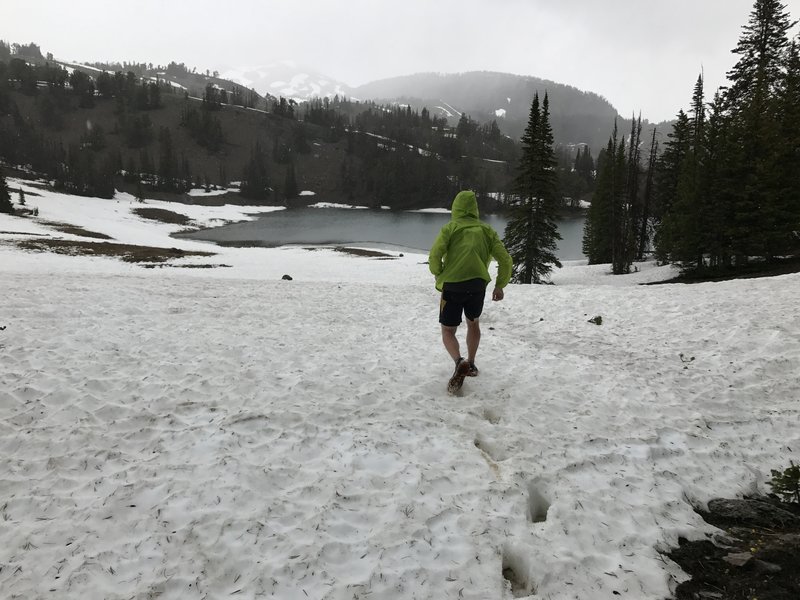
464 296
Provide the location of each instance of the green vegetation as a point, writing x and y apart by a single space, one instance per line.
786 483
725 192
531 233
5 197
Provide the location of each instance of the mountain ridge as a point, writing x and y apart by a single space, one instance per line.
578 116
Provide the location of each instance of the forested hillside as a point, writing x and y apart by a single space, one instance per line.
140 127
577 116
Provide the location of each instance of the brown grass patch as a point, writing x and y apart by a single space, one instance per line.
75 230
24 233
127 252
162 215
367 253
203 266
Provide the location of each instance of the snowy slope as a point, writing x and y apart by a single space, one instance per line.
287 79
188 433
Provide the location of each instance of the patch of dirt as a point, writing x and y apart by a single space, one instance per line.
24 233
241 244
203 266
127 252
162 215
75 230
757 558
367 253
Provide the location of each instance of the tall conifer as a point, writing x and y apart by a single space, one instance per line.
5 197
532 233
597 231
756 228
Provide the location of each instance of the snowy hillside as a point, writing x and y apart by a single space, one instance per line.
220 432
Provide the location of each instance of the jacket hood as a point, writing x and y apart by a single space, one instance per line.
465 205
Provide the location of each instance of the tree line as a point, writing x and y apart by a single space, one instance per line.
725 191
394 155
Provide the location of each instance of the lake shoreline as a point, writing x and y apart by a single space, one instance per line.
403 231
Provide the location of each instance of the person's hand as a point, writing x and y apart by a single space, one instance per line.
497 294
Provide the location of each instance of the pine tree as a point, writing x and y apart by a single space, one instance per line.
787 188
290 183
630 210
598 232
167 162
716 181
756 228
255 183
5 197
687 219
667 178
619 211
532 233
644 226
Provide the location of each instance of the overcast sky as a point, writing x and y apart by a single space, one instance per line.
642 55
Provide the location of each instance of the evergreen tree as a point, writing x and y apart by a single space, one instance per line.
154 95
629 214
532 233
686 220
756 228
584 167
5 198
716 180
599 226
619 210
255 183
787 189
167 163
290 183
666 180
644 226
146 168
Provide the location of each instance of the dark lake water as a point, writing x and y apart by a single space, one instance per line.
413 231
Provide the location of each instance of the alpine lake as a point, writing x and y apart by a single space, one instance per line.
404 231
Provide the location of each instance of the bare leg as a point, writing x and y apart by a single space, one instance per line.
473 339
451 342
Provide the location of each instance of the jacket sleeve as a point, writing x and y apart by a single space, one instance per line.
438 251
504 262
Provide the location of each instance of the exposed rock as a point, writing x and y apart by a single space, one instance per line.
762 566
754 512
757 554
737 559
705 595
287 277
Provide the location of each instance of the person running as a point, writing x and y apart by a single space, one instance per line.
459 258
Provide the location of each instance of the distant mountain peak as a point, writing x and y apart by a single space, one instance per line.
288 79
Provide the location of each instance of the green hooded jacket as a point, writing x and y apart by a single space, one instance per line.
465 246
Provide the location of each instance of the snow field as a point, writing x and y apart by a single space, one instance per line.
190 434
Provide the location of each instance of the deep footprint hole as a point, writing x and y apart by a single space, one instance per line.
491 415
538 505
515 572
